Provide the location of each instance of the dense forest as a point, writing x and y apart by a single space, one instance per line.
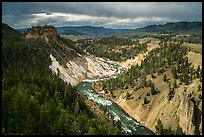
35 101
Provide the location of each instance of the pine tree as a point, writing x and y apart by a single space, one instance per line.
186 79
153 91
175 84
145 100
159 127
179 131
164 77
199 87
174 71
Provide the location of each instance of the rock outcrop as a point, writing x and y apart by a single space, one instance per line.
45 33
184 109
82 67
185 113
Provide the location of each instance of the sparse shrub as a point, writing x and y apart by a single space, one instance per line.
145 101
175 84
159 127
164 77
153 90
152 75
199 87
128 95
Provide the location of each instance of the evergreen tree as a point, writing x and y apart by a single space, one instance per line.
159 127
164 77
186 79
175 84
179 131
199 87
198 71
145 100
174 71
153 90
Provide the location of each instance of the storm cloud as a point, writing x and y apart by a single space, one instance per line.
106 14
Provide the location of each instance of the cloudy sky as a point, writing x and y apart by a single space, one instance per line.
103 14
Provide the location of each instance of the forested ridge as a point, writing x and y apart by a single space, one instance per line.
117 49
158 61
35 101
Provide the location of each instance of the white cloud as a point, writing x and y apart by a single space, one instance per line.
60 19
107 14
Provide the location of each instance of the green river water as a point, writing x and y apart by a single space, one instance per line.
129 125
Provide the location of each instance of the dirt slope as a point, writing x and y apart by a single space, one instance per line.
81 68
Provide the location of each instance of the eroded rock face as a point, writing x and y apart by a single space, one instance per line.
184 109
186 113
80 68
98 69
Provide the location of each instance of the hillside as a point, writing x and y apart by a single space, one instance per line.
69 62
185 28
163 85
65 31
87 30
8 31
37 102
115 49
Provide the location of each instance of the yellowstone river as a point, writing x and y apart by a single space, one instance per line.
129 125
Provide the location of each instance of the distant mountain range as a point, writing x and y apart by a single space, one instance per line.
194 28
186 28
83 30
87 30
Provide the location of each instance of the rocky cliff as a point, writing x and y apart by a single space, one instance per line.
45 33
80 68
71 66
183 109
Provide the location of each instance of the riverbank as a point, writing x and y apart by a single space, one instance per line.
178 111
124 106
128 124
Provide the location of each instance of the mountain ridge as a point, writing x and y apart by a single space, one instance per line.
186 28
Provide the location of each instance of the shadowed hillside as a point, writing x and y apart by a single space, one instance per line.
187 28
